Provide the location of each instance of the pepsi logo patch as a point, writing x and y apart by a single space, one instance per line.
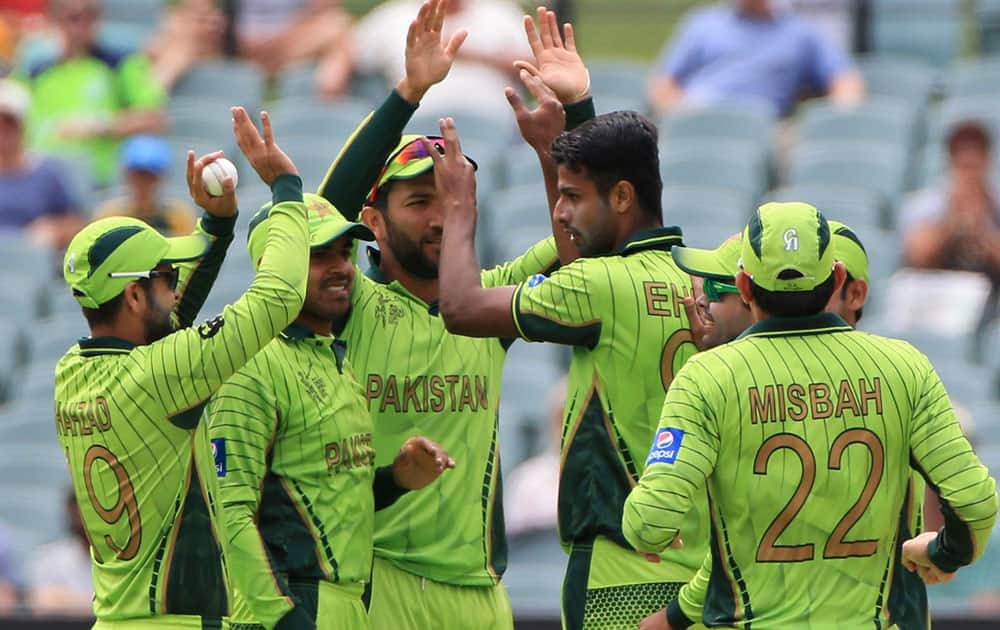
536 280
666 445
219 455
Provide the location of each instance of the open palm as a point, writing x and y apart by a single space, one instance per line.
559 64
428 57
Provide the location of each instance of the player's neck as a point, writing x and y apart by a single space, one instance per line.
424 288
134 333
318 326
638 221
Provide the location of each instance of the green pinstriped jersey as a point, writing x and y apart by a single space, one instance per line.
419 379
805 431
294 458
623 314
140 461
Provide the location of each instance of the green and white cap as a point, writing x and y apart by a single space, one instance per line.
786 247
120 245
326 225
720 264
848 249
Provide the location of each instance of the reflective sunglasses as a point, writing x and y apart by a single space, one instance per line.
414 150
714 289
172 275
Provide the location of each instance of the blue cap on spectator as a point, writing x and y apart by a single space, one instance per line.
146 153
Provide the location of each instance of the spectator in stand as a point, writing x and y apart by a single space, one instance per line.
532 489
60 578
483 68
834 19
145 161
751 50
35 195
956 225
274 34
89 97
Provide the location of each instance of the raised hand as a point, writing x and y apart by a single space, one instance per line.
540 126
454 176
420 461
264 155
559 64
428 58
223 206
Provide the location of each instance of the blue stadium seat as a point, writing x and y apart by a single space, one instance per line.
735 166
980 77
867 165
752 124
930 30
887 120
898 77
618 78
473 127
26 282
988 23
520 166
305 116
238 81
517 207
861 209
207 117
706 214
954 110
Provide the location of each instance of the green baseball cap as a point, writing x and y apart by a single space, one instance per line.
786 247
120 246
848 249
326 225
410 159
720 263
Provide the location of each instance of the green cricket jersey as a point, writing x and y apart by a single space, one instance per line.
128 419
624 317
805 431
294 456
419 379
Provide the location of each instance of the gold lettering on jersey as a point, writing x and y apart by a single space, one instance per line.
422 394
819 401
83 418
351 452
664 300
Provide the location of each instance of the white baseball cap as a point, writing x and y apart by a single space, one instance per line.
14 98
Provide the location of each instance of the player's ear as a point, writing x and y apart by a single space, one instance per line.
839 276
373 218
743 282
622 196
857 294
134 297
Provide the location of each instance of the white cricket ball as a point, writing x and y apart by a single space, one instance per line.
215 173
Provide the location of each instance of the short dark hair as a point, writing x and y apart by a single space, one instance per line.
793 303
107 312
381 199
970 132
843 294
615 147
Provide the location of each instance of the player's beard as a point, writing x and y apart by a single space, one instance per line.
410 253
158 322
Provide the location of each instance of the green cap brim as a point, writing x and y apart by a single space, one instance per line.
704 263
185 248
328 233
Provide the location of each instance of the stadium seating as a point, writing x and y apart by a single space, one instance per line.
887 120
741 122
706 214
898 77
524 206
533 580
239 82
987 19
929 30
734 166
617 79
954 110
980 77
859 208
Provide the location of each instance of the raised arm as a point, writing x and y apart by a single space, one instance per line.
356 168
190 364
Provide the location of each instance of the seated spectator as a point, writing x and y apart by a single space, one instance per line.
956 225
60 577
750 50
834 19
274 34
483 68
531 491
89 97
35 195
145 160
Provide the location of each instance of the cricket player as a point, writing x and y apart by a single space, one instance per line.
293 443
128 398
804 431
620 307
439 553
721 315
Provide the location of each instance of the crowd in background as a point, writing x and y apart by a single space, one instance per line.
84 126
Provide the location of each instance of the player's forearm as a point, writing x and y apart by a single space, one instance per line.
356 169
198 277
270 600
460 280
648 525
385 488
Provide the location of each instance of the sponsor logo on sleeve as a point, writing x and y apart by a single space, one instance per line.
666 445
536 280
219 455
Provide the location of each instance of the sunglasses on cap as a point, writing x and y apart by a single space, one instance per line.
172 275
413 150
714 289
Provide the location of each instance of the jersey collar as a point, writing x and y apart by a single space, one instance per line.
94 346
808 325
297 332
662 238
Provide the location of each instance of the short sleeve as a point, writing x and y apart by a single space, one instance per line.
826 60
680 58
563 308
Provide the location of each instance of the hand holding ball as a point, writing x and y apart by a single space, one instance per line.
215 173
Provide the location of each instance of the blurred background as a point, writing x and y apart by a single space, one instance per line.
883 113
